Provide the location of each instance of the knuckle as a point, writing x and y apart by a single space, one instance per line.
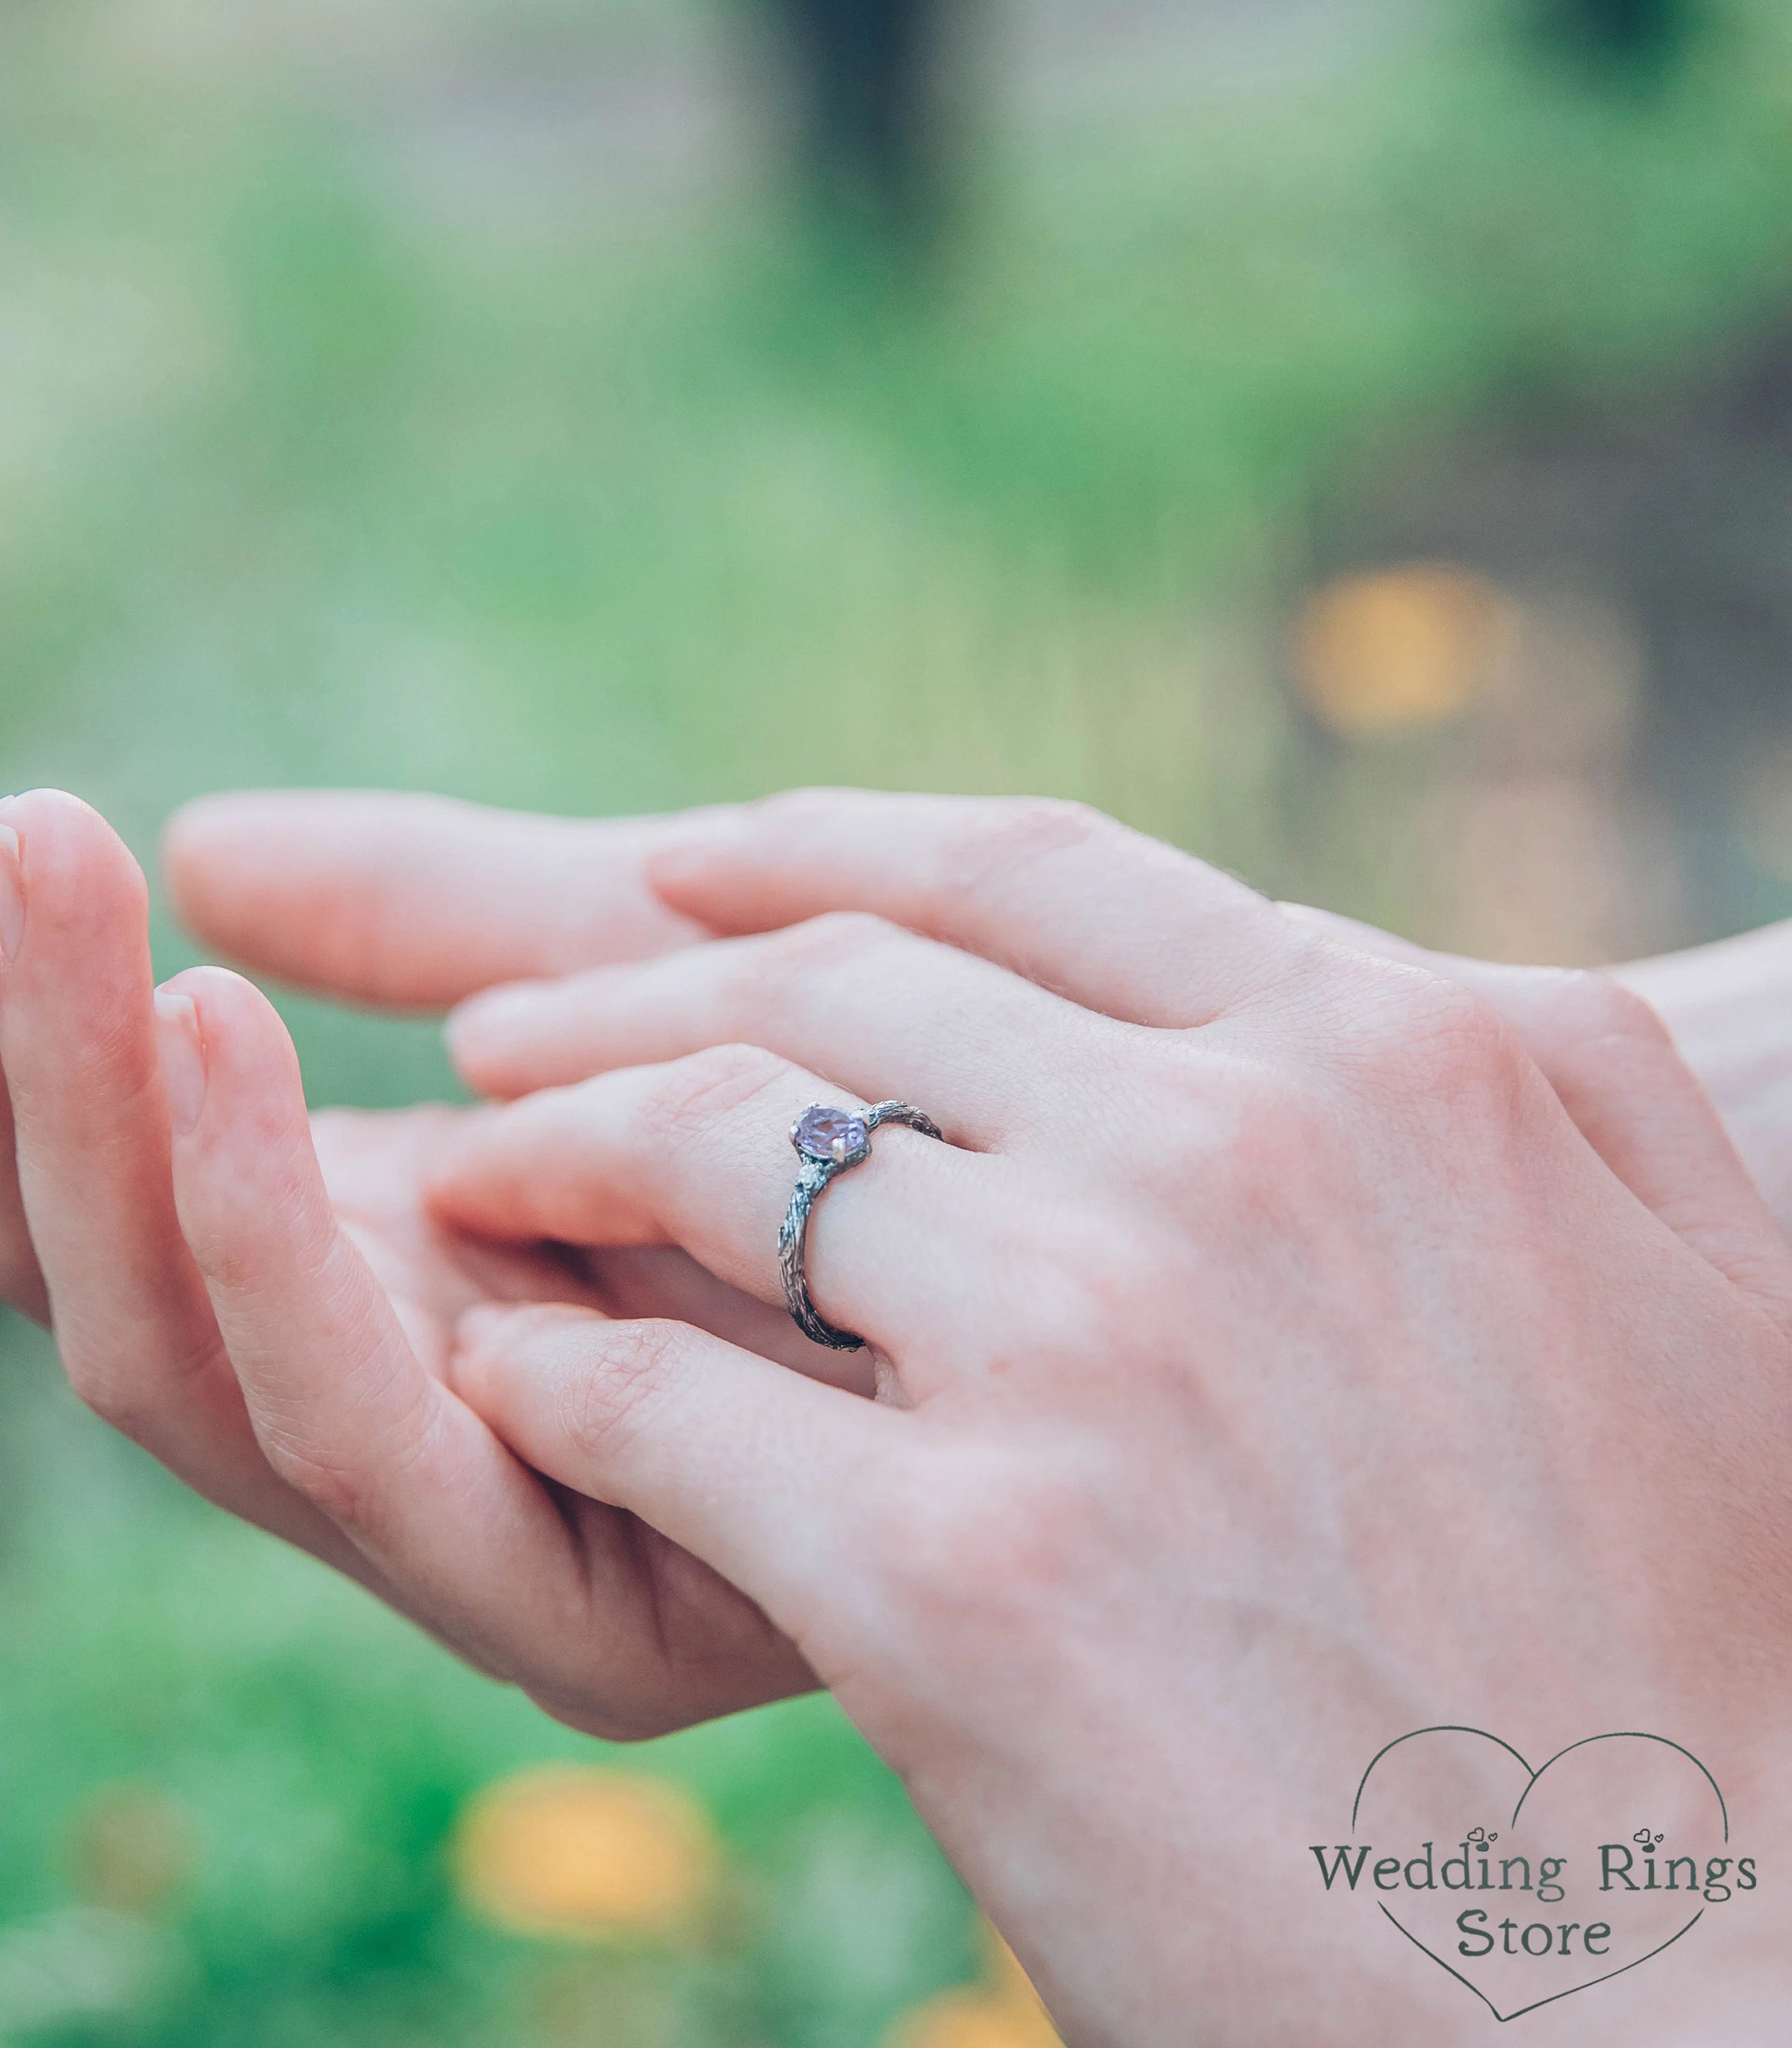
1239 1140
341 1488
356 1463
1592 1009
1282 1149
1010 832
818 945
1005 1535
815 803
1280 1116
687 1097
1439 1040
624 1726
609 1708
1090 1272
601 1407
138 1404
1464 1047
117 1406
1233 1105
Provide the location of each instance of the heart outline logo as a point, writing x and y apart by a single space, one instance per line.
1532 1777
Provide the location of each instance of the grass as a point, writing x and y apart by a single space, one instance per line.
306 475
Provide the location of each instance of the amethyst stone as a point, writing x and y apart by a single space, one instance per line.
823 1132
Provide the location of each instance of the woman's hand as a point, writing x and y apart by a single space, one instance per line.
406 903
1268 1367
297 1383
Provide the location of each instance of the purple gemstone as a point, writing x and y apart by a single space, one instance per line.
823 1132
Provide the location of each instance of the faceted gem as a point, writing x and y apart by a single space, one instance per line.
825 1132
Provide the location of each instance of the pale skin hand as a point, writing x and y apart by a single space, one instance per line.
1270 1366
423 972
90 1235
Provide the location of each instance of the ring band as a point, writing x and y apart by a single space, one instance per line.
830 1142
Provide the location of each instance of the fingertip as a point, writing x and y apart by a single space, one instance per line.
490 1328
225 1049
197 837
227 1000
481 1034
698 859
461 1185
46 805
78 876
226 857
247 869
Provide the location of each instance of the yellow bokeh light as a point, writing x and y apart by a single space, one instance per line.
1399 648
133 1849
585 1854
970 2020
1004 2011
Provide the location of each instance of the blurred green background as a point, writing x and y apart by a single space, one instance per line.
1353 439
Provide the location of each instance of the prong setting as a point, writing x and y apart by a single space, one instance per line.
829 1140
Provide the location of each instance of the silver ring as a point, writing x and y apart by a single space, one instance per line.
830 1141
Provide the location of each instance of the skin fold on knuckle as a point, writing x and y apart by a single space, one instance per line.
1585 1012
1410 1043
351 1472
684 1101
144 1397
769 977
604 1391
1005 837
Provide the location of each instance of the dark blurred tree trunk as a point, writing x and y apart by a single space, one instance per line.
1622 31
865 73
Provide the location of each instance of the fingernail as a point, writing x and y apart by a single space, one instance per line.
11 895
183 1056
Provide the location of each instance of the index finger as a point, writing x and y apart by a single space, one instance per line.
414 902
609 1632
344 1409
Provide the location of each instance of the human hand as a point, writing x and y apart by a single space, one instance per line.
376 1468
1727 1008
1250 1256
415 902
402 901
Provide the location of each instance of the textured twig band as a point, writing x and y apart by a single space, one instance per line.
830 1142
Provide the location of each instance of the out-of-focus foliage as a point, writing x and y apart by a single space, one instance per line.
438 396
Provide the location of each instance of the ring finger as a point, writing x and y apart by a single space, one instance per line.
697 1152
